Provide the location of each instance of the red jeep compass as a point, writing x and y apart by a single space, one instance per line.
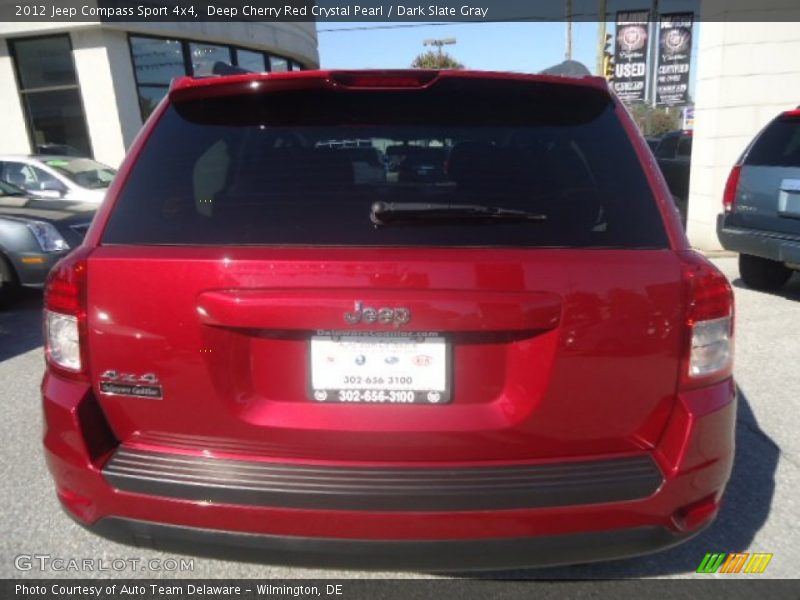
422 320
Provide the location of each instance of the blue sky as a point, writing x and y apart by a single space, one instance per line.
527 47
510 46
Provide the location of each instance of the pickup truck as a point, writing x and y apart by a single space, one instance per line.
674 156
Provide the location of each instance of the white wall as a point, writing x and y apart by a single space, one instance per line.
119 59
97 91
746 74
14 139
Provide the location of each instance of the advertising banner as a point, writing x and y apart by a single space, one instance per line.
630 55
674 57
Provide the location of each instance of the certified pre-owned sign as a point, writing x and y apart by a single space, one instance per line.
674 58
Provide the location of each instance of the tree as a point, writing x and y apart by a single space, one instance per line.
435 60
655 121
662 122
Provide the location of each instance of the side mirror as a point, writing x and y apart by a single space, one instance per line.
52 189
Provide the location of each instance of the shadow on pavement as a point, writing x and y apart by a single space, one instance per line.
790 291
745 508
21 324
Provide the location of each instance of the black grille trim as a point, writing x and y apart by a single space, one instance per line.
381 489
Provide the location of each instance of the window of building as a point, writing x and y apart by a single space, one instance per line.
155 63
251 61
205 56
50 94
278 63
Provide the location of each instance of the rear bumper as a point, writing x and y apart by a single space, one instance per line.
693 459
430 555
388 489
766 244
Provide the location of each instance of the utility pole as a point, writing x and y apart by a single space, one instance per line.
654 53
601 36
568 18
438 43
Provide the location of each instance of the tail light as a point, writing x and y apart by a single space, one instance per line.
731 187
385 79
65 316
708 354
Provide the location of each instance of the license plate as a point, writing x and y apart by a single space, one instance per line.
375 369
789 198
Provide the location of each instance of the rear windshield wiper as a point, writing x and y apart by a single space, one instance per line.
385 213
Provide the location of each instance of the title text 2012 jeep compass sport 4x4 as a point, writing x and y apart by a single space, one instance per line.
511 358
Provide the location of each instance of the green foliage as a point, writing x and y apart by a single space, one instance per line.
655 121
436 60
661 123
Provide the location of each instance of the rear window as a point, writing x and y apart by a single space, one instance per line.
305 167
778 145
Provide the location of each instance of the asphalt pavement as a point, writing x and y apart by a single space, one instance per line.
760 512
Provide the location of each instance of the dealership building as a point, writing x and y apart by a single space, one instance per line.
87 87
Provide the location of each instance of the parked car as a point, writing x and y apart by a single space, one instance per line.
761 218
674 156
58 177
519 361
34 235
652 141
58 149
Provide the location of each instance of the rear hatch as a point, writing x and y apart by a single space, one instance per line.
768 194
252 295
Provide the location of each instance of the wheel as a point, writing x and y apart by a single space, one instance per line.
763 273
9 287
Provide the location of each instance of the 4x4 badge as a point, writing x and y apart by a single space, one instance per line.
114 383
367 314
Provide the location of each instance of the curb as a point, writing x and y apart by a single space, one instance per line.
717 253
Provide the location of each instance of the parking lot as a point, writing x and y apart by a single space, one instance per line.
759 515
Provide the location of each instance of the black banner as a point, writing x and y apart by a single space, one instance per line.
674 57
388 11
630 55
467 587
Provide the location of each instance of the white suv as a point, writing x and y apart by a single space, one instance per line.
58 177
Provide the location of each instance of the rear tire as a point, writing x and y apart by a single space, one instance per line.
9 285
763 273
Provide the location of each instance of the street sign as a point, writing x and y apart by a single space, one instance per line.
688 118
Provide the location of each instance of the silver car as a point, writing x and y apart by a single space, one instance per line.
762 205
58 177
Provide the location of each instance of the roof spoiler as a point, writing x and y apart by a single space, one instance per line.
244 82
